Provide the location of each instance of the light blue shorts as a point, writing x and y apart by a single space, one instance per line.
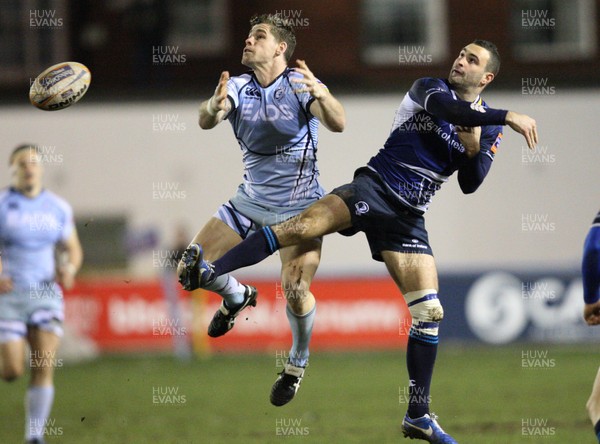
245 215
41 306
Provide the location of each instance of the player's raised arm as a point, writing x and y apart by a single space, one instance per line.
460 112
325 107
469 137
214 110
590 270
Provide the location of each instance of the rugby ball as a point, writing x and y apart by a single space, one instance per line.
60 86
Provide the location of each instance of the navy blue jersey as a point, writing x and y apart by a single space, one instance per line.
591 263
423 148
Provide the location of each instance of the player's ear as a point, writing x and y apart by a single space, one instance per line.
281 48
487 78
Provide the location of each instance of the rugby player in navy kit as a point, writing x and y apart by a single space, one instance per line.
590 270
441 126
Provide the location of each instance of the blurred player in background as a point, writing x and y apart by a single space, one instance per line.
41 251
441 126
275 113
591 313
182 344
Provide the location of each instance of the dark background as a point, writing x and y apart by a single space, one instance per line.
115 39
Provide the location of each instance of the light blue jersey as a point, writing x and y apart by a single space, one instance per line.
29 230
278 137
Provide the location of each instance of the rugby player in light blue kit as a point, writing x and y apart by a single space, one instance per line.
274 111
36 226
590 269
442 126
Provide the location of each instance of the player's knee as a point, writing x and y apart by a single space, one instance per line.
296 291
11 373
427 313
593 408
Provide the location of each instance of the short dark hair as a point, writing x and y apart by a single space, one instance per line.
18 149
493 64
280 28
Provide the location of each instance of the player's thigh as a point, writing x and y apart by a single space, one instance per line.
12 363
43 359
327 215
216 238
411 271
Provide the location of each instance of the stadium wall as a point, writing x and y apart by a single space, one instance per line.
151 162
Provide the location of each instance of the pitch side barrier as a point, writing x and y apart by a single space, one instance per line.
352 314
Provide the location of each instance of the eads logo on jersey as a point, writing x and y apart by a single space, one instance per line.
361 207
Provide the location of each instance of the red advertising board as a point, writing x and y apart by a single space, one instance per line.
137 316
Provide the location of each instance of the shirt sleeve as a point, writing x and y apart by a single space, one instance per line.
68 222
472 173
590 266
423 88
435 97
232 96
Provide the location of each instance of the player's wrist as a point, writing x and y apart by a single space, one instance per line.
322 95
210 108
69 269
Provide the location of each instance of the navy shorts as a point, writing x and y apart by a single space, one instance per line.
375 210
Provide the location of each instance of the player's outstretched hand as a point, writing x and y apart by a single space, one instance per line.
524 125
591 313
65 276
310 82
6 285
218 101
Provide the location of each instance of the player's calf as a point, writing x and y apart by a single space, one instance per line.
11 359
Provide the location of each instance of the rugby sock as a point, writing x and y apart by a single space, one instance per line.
256 247
38 403
229 289
597 430
301 326
420 360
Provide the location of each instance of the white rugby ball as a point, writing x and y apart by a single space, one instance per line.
60 86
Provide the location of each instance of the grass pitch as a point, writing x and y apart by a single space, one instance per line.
482 395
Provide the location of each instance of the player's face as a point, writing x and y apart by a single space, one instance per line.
261 46
469 69
27 170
